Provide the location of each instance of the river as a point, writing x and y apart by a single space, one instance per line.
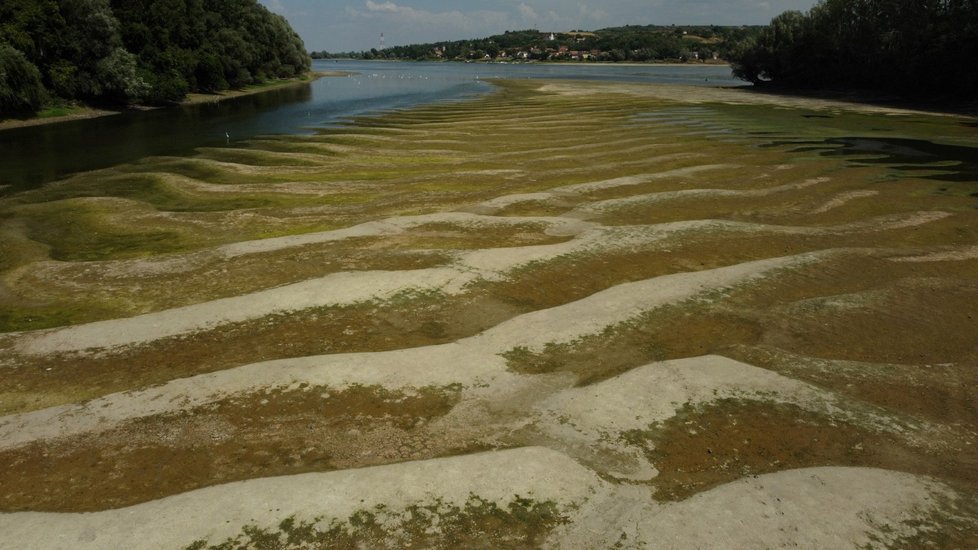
35 155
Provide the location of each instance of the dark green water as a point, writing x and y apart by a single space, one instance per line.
956 163
36 155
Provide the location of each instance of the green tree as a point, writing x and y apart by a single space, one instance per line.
21 88
156 50
33 27
209 73
118 77
92 62
912 47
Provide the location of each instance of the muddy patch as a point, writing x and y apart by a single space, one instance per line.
266 434
522 523
708 445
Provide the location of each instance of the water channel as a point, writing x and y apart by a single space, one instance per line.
35 155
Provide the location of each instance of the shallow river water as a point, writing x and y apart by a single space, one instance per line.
35 155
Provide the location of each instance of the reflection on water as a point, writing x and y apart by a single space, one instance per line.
32 156
957 162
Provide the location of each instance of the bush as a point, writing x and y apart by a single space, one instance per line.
21 89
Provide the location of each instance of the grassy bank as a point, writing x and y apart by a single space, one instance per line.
66 113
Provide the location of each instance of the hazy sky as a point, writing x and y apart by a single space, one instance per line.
344 25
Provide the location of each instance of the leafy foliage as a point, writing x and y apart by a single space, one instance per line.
139 50
20 82
912 47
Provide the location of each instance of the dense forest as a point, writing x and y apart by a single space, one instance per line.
923 48
629 43
154 51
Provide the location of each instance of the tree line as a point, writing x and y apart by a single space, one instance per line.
923 48
154 51
628 43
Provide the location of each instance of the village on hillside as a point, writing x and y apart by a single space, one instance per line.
630 43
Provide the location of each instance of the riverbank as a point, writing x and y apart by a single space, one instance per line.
82 112
874 99
200 98
747 95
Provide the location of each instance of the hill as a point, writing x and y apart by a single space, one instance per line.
628 43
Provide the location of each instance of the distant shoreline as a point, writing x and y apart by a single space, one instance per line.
717 63
199 98
86 112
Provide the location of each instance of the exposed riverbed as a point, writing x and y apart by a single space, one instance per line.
559 313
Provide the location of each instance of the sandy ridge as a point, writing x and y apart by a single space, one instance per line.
466 361
955 254
813 507
182 262
844 198
698 95
346 288
394 226
336 289
690 194
589 422
219 512
827 507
